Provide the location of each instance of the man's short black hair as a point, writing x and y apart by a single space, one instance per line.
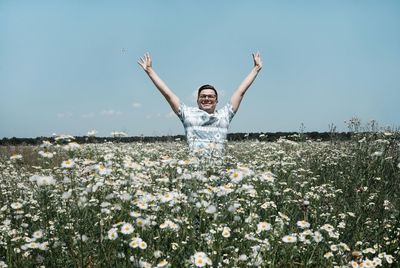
207 87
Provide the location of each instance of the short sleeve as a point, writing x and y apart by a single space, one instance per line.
228 109
182 111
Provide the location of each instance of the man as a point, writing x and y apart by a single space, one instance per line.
206 128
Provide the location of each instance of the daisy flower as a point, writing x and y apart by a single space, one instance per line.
226 232
103 170
200 259
303 224
317 237
236 176
243 257
68 163
369 250
354 264
37 234
135 242
367 263
43 246
142 245
289 239
16 157
334 248
112 234
388 258
141 222
16 205
43 180
263 226
142 205
46 154
162 263
127 228
267 177
211 209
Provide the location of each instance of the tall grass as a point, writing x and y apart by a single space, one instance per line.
281 204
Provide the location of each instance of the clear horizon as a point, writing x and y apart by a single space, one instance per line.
71 67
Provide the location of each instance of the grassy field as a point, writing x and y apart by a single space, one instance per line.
267 204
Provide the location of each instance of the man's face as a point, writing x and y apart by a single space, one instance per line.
207 100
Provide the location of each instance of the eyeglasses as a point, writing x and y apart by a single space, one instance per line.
211 97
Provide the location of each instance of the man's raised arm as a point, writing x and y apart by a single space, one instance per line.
237 96
173 100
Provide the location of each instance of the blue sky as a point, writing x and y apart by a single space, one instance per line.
68 67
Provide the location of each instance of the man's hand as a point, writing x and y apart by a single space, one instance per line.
173 100
237 96
257 61
145 62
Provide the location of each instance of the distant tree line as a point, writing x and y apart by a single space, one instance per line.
269 137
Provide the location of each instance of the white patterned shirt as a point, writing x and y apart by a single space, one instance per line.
204 131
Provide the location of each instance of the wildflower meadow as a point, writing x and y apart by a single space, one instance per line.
289 203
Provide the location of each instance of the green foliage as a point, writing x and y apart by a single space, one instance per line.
280 204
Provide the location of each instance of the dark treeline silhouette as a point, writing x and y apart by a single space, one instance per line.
270 137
